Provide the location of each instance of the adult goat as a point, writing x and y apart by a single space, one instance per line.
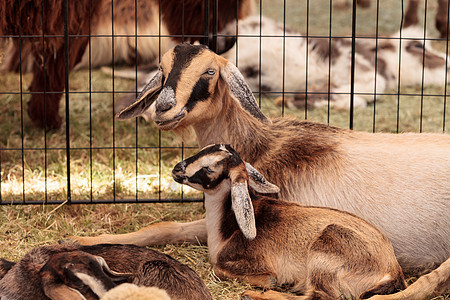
398 182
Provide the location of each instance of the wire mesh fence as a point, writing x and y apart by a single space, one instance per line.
376 68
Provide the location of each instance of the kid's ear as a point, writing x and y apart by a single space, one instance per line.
62 292
259 183
241 202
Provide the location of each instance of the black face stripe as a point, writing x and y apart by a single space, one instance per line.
202 176
182 56
204 152
200 92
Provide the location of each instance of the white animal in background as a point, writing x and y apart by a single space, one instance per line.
322 67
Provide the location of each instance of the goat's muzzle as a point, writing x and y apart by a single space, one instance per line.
163 110
170 123
165 101
179 171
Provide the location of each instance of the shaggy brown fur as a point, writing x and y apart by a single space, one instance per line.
32 276
48 53
45 57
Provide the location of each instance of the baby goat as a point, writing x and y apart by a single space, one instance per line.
394 181
71 271
320 252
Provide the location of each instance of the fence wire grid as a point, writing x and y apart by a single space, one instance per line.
335 62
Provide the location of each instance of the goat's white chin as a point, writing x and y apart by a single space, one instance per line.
170 124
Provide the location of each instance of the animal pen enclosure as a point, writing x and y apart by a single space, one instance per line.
90 157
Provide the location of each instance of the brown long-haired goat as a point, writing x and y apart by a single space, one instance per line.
72 271
135 24
320 252
398 182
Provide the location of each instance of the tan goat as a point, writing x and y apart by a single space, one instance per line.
320 252
398 182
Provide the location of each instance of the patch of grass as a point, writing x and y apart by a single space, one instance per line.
24 227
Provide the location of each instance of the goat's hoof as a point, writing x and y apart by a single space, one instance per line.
267 295
78 240
67 241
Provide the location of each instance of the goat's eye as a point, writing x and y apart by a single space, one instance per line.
207 169
210 72
418 45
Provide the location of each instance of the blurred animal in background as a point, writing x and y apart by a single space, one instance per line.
318 69
71 271
345 4
411 15
44 53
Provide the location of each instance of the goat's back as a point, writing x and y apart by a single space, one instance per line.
300 244
398 182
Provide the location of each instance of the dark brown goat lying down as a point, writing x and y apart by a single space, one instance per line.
397 182
71 271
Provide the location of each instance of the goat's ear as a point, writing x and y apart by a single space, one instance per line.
62 292
259 183
144 100
241 202
5 266
240 90
113 275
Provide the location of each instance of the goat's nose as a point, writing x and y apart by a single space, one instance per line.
179 167
166 100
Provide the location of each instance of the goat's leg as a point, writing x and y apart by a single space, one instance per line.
271 295
49 76
442 24
261 280
43 108
411 18
155 234
427 286
300 100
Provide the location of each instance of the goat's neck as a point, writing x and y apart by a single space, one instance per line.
235 126
215 205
